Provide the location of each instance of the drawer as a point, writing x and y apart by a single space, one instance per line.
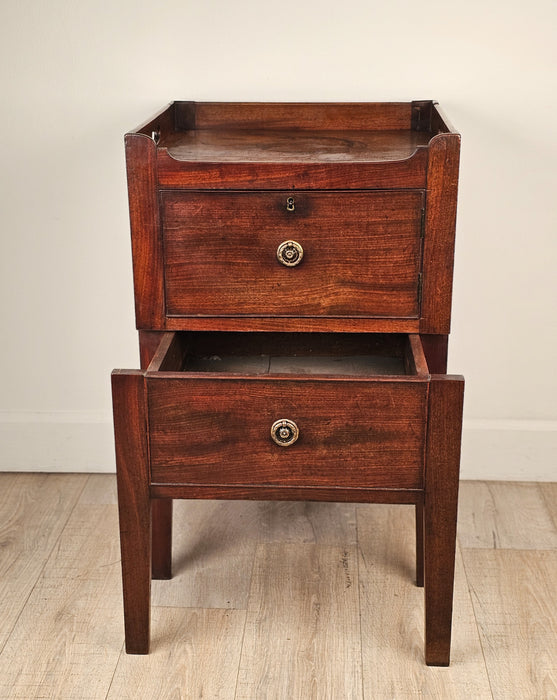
360 253
222 408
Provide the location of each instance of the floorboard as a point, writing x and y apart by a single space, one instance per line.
34 508
302 637
194 654
515 603
501 515
274 600
67 639
392 614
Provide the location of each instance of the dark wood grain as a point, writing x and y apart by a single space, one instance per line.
408 173
336 494
300 115
161 509
436 349
419 519
144 222
361 253
161 553
318 324
440 512
416 359
390 345
149 341
208 184
170 353
294 146
440 220
371 432
134 508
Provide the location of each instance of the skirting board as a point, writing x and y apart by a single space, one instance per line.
513 450
64 441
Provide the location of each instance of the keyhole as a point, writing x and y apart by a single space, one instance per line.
290 204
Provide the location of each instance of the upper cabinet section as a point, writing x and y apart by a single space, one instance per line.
287 146
294 217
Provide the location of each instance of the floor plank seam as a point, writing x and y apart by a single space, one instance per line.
358 548
469 589
523 550
46 560
114 672
197 607
239 669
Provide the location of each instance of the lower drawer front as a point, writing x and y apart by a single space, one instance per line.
351 433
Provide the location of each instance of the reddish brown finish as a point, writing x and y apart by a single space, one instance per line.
435 349
440 512
134 506
217 175
361 253
297 115
440 219
291 493
296 325
419 544
371 431
333 147
293 146
161 510
149 341
161 555
408 173
144 222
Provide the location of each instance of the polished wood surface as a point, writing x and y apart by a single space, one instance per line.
161 509
317 324
134 505
144 222
230 146
440 220
350 410
293 115
375 430
446 395
361 254
293 146
267 174
373 190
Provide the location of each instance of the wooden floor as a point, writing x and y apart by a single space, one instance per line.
274 600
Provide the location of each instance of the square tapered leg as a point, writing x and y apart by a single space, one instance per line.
440 512
134 505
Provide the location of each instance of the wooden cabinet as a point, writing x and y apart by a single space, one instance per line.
293 276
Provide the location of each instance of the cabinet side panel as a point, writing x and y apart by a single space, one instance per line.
439 235
144 222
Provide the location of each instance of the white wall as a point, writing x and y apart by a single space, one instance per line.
76 75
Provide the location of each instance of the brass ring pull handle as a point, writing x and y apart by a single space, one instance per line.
290 253
284 432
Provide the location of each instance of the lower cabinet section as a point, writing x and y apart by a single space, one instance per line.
350 412
332 417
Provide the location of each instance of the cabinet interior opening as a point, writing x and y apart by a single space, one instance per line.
346 354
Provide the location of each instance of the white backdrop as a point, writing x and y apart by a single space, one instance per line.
76 75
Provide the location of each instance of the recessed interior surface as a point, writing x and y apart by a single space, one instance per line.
290 145
359 365
351 354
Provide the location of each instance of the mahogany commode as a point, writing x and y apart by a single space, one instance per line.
293 276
